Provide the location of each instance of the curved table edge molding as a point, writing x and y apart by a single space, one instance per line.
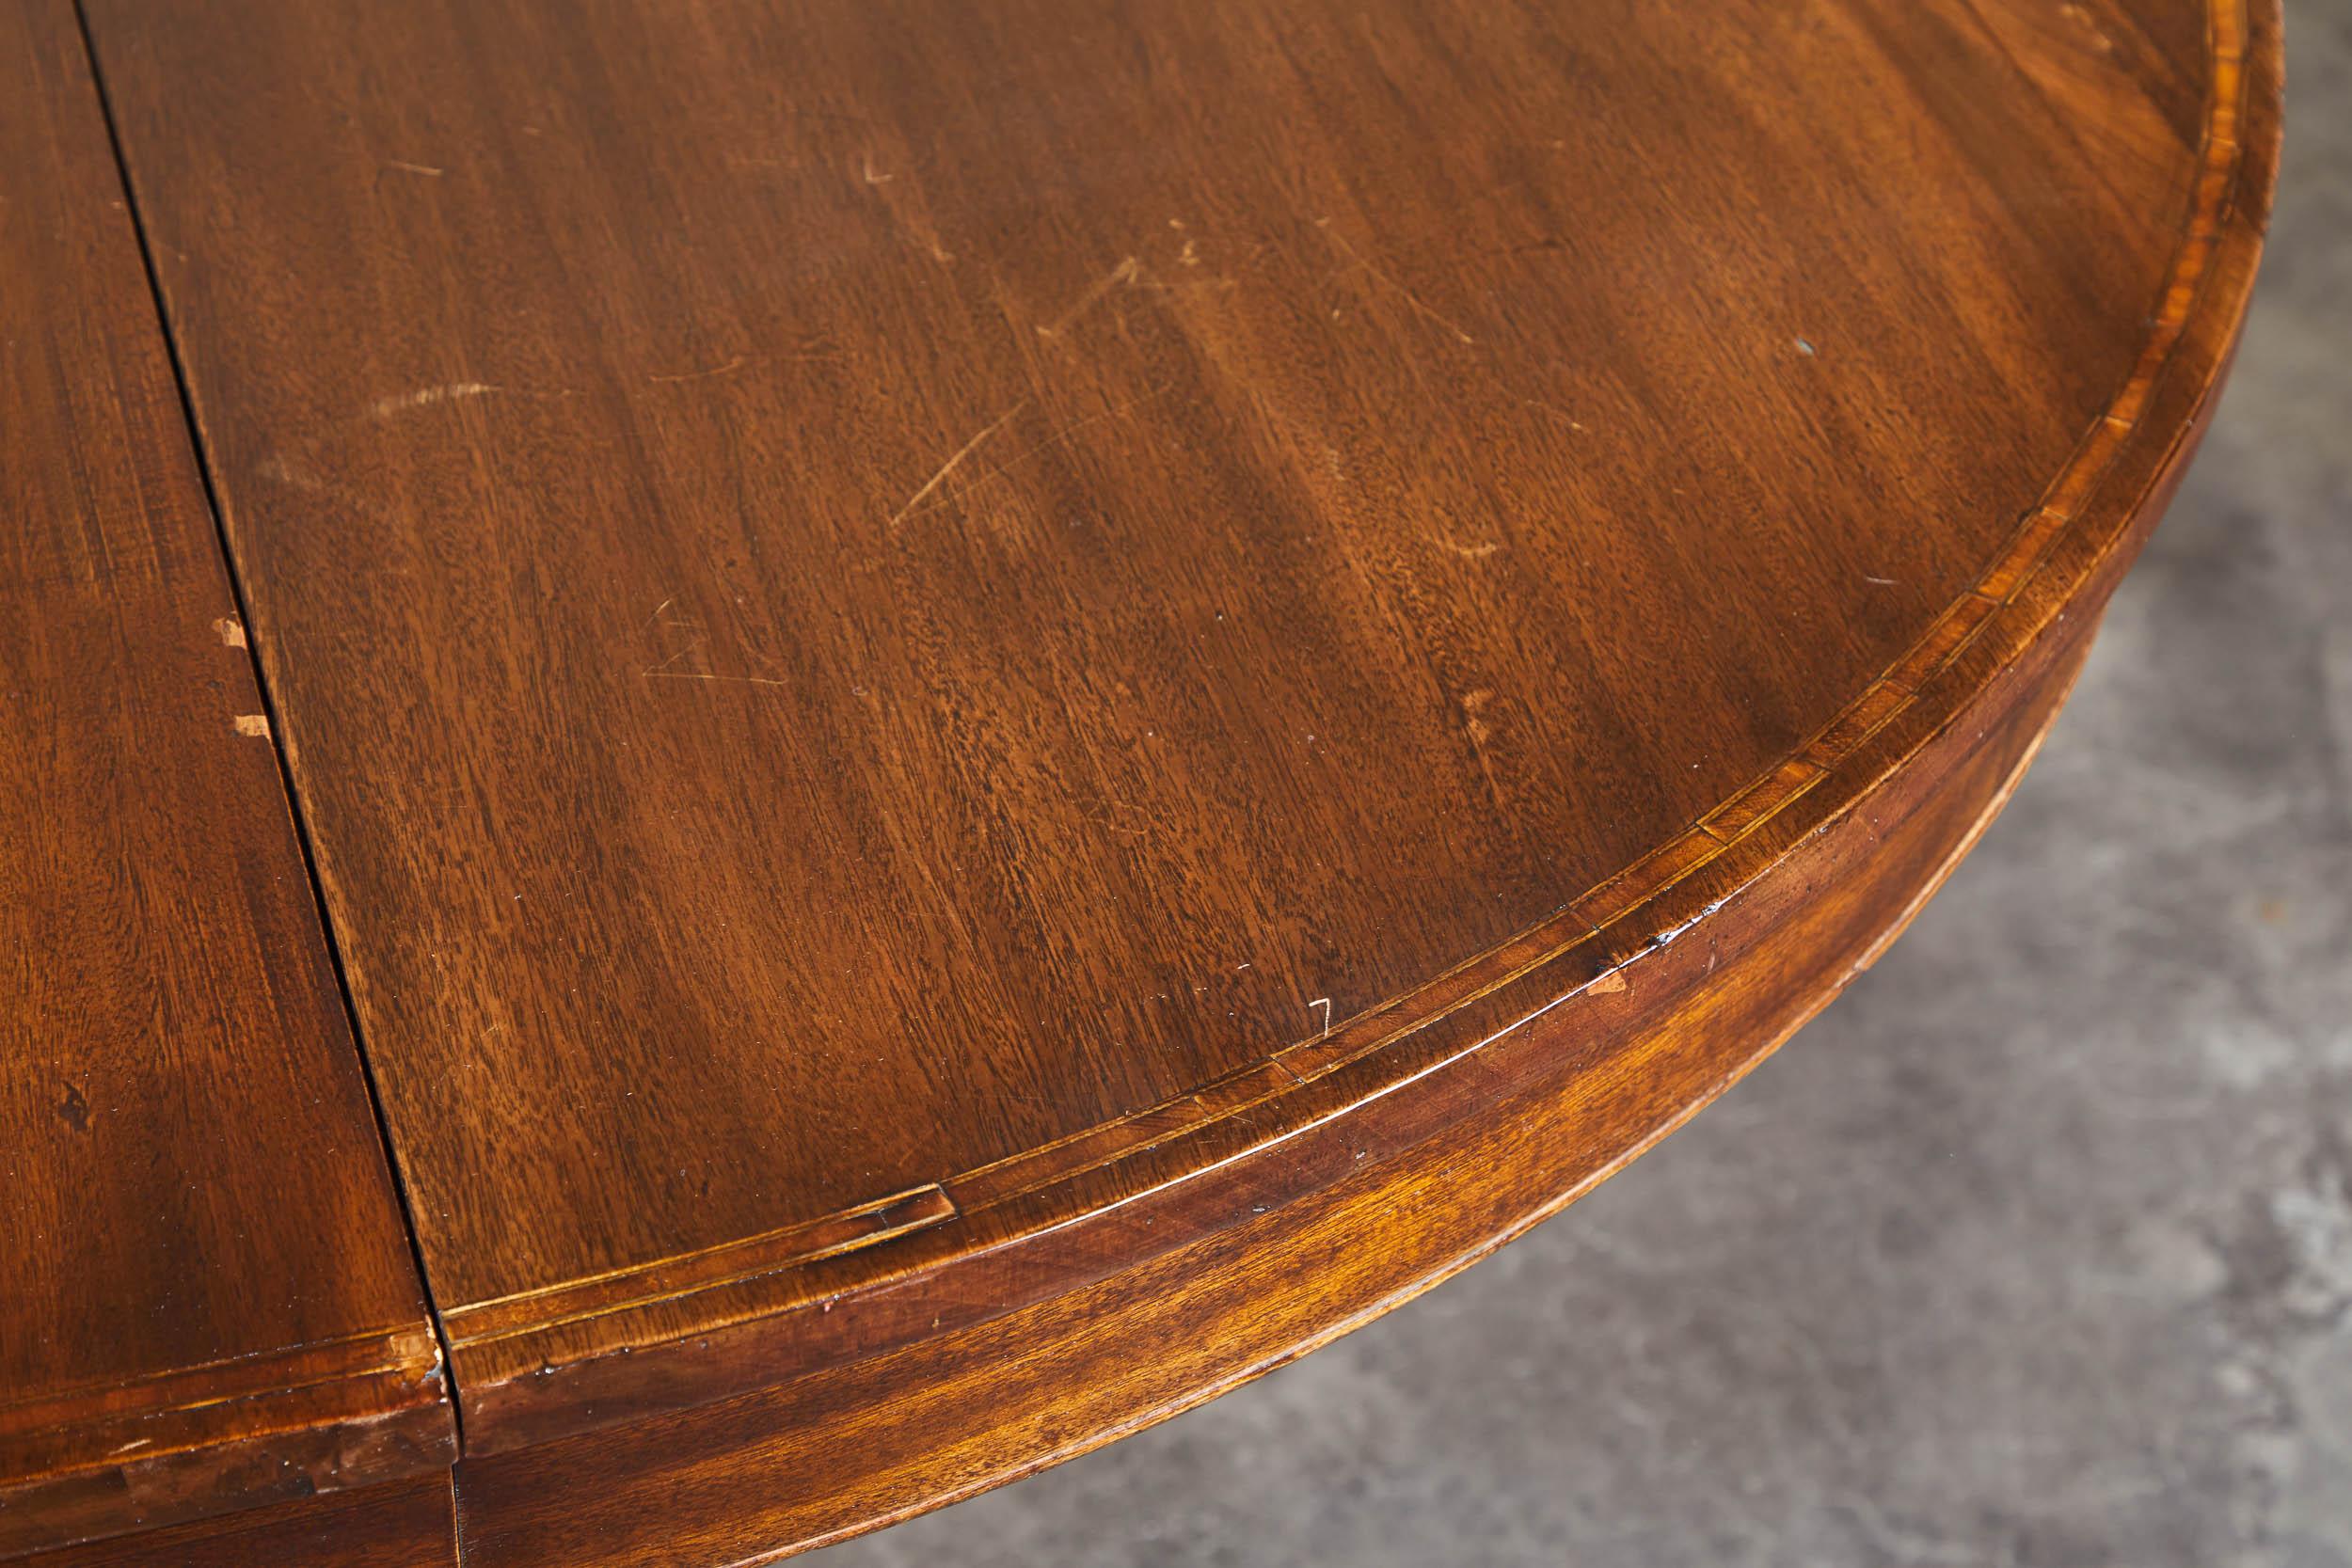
691 1330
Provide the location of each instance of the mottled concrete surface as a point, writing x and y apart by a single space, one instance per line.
2036 1249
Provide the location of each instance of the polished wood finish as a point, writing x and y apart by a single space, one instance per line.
207 1297
1006 710
1301 1243
405 1524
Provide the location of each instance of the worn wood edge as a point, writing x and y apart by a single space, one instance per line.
408 1522
536 1344
1975 835
413 1351
852 1447
136 1461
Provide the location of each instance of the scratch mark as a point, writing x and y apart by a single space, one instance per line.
655 619
231 632
692 644
407 167
295 477
1121 275
1609 984
1357 258
1113 826
1470 552
425 397
1555 410
252 723
661 674
127 1448
664 669
661 666
949 466
1324 1002
1027 452
1805 348
1882 583
2075 13
1471 703
909 210
728 368
1480 731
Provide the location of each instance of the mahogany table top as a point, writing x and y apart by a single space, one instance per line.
764 761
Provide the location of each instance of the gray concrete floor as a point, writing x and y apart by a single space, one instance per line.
2035 1249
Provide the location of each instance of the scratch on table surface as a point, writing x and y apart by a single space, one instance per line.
1357 258
2104 44
815 351
1121 275
1555 410
295 476
1324 1002
907 209
406 167
1056 438
692 644
1609 984
1475 726
699 675
1116 805
949 466
425 397
1473 702
728 368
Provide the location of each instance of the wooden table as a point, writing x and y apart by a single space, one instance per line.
762 762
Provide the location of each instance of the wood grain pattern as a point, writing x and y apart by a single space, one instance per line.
898 633
404 1524
206 1295
1304 1243
1006 710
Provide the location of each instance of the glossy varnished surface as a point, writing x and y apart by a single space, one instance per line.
206 1297
954 666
